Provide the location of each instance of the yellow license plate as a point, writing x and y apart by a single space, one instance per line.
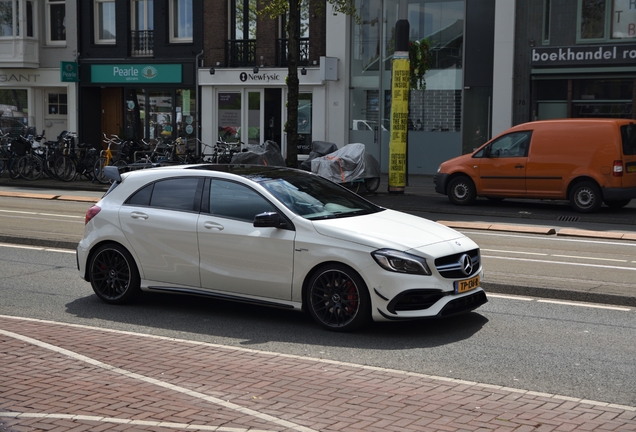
466 285
631 168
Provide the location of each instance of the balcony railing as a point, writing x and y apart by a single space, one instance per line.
281 52
141 43
240 52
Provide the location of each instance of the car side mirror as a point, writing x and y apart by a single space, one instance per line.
269 220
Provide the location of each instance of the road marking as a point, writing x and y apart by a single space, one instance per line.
42 214
515 252
590 305
510 297
558 239
159 383
37 248
561 263
589 258
160 424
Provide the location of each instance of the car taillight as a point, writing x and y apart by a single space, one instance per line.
90 214
618 168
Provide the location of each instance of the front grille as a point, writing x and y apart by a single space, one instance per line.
415 300
451 267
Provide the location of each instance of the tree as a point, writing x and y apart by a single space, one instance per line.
274 9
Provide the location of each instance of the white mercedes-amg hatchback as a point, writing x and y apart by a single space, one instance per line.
277 237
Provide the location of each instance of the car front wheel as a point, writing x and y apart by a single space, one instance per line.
461 190
113 274
338 299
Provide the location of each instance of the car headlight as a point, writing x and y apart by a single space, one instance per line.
401 262
439 168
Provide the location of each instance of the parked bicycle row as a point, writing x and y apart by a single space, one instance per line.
32 157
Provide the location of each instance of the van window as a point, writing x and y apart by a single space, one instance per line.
628 133
514 144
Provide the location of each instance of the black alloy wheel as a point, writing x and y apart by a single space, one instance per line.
113 274
338 299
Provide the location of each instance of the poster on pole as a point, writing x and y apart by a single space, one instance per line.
399 122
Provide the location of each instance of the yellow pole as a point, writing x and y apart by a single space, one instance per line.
399 121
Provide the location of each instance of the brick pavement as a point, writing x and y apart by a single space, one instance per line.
62 377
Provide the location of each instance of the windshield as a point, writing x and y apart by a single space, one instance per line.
313 197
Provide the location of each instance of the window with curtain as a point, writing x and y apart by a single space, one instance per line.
56 22
105 28
181 20
605 20
13 15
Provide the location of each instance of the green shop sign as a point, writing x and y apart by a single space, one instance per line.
136 73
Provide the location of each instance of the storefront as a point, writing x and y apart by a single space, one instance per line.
38 98
583 81
249 106
148 102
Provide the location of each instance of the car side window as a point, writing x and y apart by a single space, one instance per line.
515 144
171 194
236 201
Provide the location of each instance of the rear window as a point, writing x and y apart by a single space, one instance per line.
628 134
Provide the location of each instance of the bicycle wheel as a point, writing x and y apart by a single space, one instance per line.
3 166
98 170
64 168
14 172
86 165
30 167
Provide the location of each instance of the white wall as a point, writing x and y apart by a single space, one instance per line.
337 92
503 66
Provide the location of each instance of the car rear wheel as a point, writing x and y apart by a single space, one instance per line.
461 190
338 299
586 197
113 274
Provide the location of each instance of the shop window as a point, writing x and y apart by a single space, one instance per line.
13 14
181 20
56 22
105 28
57 104
602 20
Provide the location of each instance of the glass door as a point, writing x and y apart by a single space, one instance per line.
240 115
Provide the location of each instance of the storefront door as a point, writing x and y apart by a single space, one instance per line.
241 115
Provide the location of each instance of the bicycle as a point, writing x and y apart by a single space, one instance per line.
109 158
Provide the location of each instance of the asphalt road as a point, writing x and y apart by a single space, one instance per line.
583 351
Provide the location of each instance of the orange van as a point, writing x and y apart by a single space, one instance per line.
586 161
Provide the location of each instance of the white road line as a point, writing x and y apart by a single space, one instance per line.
561 263
42 214
36 248
555 239
149 380
160 424
589 258
514 252
510 297
589 305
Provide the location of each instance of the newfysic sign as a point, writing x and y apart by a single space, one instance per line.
583 55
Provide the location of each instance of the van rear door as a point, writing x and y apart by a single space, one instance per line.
628 135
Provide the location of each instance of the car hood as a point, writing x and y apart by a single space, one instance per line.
387 229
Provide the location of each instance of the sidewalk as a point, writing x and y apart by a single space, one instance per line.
68 377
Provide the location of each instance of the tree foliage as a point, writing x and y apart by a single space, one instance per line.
292 8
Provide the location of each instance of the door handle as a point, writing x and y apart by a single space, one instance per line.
213 226
139 215
519 166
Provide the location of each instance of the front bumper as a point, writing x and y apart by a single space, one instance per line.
440 180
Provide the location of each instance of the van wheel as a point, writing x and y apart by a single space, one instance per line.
586 197
617 203
461 191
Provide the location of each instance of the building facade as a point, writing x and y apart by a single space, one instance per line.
575 58
35 38
138 62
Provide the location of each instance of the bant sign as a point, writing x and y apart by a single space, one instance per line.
399 123
68 72
136 73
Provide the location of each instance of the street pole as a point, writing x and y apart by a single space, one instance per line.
400 77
